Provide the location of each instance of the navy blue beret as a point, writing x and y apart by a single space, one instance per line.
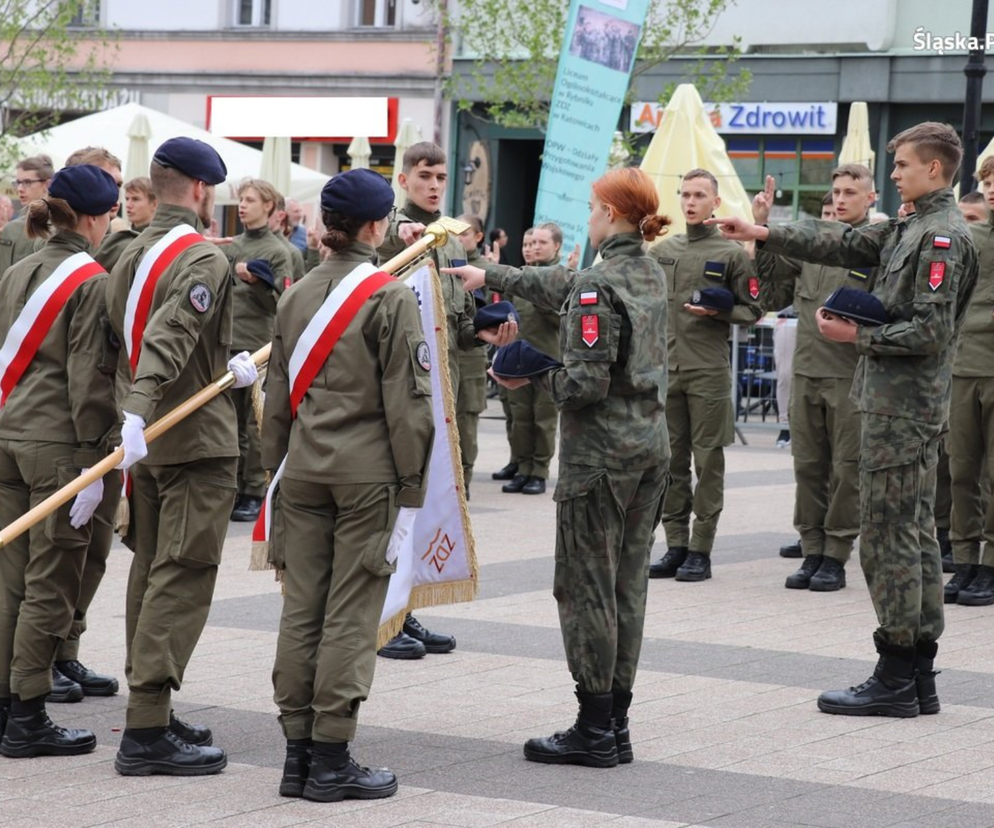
362 194
89 190
490 316
194 158
261 269
718 299
857 305
520 359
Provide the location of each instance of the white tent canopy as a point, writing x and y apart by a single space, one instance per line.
109 129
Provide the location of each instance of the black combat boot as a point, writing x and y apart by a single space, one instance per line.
4 710
946 548
506 473
296 767
591 741
801 579
791 550
196 735
890 691
980 591
158 750
29 732
965 573
928 698
831 576
335 775
667 565
434 642
619 718
93 684
64 690
248 510
515 485
402 646
697 567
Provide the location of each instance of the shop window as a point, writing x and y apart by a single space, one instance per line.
253 12
744 154
377 12
817 161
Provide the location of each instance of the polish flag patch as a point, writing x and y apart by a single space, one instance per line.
936 274
588 298
942 241
589 330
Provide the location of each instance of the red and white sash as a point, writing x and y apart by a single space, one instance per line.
312 351
153 264
37 317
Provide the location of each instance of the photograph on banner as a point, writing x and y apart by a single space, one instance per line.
604 39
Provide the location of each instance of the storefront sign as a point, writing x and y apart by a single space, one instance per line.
751 118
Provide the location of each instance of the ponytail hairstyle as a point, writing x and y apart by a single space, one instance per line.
46 213
340 229
633 196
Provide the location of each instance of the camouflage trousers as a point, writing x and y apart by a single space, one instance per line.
605 520
897 546
943 488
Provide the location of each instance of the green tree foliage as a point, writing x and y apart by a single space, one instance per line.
53 60
515 46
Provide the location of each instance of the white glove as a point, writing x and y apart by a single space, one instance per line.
132 440
244 369
401 529
86 503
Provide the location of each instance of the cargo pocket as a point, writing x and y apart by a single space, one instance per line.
199 516
580 499
57 527
374 553
890 480
277 532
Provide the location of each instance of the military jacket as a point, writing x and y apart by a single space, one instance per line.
187 342
298 267
539 326
807 285
367 417
66 395
113 245
611 390
459 305
697 259
254 305
474 360
975 356
927 272
15 244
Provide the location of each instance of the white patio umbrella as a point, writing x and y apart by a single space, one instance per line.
856 146
139 131
407 135
276 161
359 153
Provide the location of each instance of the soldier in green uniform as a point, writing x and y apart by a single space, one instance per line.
824 422
253 301
181 496
928 269
471 400
139 206
533 413
31 182
970 439
424 177
57 418
613 453
699 410
356 454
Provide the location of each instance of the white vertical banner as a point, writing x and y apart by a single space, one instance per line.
437 560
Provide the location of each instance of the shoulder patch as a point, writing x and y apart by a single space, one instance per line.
936 275
753 287
423 355
589 330
942 241
200 297
588 297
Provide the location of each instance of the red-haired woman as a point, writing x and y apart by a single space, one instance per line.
613 454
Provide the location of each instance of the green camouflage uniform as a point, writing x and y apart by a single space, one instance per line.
824 422
970 440
699 411
613 450
928 269
254 309
533 414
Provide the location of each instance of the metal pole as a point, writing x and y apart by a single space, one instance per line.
974 71
440 37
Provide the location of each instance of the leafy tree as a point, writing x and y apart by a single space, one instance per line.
515 45
52 60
